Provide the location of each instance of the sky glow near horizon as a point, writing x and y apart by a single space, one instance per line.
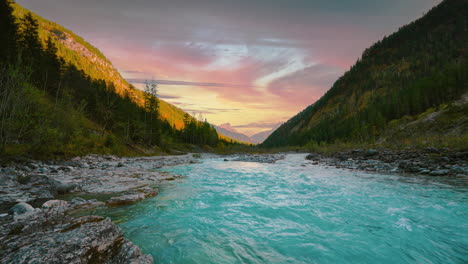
252 63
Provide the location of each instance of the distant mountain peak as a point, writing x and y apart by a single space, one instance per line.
228 127
228 130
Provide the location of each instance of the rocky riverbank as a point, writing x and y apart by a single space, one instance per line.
37 228
50 235
429 161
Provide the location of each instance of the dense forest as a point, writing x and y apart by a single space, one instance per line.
49 107
422 67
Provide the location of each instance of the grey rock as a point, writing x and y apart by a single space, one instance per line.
43 170
444 159
311 156
125 199
63 188
458 170
51 236
55 203
65 168
148 191
439 172
261 158
21 208
432 150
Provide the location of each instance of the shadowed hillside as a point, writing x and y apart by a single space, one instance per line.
418 70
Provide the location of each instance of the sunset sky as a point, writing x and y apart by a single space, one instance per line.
252 63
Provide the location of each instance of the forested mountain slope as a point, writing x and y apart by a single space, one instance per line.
419 69
85 57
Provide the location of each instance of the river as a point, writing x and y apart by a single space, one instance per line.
246 212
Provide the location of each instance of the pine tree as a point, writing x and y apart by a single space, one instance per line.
8 33
30 46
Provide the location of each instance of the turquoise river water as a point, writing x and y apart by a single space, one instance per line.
244 212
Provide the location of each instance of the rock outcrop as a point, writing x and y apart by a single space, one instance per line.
50 235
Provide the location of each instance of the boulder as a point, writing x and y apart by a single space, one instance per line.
21 208
54 203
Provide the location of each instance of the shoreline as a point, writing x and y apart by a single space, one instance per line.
34 221
435 162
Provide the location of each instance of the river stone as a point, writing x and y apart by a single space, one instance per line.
458 169
432 150
126 199
439 172
64 188
311 156
55 203
21 208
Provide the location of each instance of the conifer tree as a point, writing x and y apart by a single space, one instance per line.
8 33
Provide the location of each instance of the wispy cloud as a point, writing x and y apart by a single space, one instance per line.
167 96
184 83
259 125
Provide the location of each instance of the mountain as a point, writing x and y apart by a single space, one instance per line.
262 136
230 132
76 51
228 127
412 81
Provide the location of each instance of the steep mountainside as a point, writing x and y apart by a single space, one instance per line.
76 51
422 68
